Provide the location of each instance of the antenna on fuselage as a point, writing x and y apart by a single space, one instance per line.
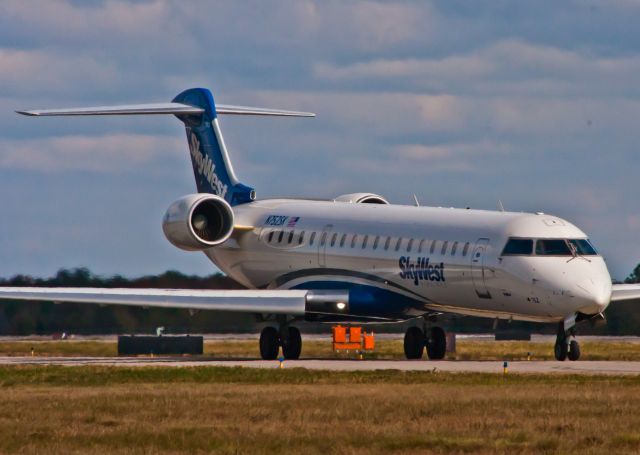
415 200
500 206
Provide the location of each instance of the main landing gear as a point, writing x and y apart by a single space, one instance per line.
415 341
565 347
287 337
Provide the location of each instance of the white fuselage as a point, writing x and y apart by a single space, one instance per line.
403 261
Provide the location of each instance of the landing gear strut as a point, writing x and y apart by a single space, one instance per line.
415 341
271 340
565 348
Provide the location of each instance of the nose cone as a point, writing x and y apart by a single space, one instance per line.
593 294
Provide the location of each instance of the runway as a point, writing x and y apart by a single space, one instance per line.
520 367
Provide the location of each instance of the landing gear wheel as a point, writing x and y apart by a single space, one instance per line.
292 346
437 345
574 350
269 343
561 350
413 343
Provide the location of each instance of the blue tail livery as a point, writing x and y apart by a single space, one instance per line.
211 164
198 111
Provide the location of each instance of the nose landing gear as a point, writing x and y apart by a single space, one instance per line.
565 348
415 341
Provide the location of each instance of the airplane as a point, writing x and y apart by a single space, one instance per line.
357 258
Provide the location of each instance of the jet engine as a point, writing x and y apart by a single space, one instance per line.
198 221
362 198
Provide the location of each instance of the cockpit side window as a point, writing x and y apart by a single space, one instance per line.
518 247
552 247
583 247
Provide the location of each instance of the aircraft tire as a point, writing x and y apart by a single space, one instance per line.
292 348
437 345
413 343
574 350
561 350
269 343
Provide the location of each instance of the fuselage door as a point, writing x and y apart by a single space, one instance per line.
478 269
323 241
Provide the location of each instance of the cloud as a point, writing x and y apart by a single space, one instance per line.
39 71
505 67
421 159
519 100
106 154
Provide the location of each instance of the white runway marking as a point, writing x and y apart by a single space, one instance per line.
536 367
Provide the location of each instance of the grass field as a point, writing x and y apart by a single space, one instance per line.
385 349
235 410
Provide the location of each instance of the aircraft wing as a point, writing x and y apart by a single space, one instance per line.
625 292
290 302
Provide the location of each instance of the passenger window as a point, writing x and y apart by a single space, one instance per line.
280 236
375 242
342 240
518 247
270 238
420 245
290 238
364 242
323 239
354 240
398 244
433 246
386 243
313 237
444 247
334 238
409 245
301 239
454 248
465 250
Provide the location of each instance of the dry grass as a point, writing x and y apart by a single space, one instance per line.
385 349
224 410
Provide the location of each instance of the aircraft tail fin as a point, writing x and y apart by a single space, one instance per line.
209 156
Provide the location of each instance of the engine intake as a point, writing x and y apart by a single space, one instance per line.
362 198
198 221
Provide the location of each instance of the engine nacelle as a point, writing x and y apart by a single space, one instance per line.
362 198
198 221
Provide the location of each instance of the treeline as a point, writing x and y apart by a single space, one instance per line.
25 318
634 277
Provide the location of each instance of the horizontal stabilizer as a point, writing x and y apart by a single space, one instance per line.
163 108
131 109
245 110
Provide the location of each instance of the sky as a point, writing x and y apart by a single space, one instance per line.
461 103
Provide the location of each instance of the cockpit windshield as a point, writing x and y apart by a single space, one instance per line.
552 247
548 247
583 247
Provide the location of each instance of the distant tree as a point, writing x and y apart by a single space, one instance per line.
635 276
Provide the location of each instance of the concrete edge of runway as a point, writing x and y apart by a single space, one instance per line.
517 367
